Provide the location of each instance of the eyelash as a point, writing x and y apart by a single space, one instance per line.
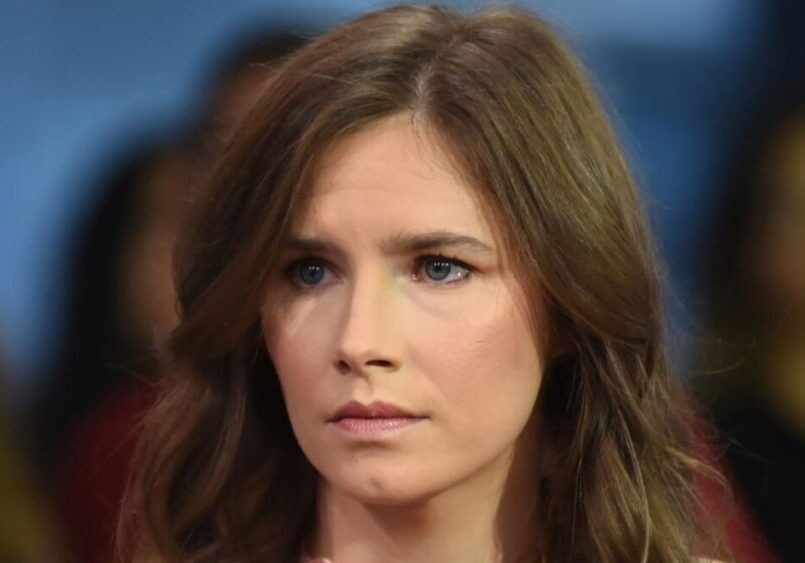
290 270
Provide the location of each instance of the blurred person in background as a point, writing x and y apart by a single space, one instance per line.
26 529
122 305
752 367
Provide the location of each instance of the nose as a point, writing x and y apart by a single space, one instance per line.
369 338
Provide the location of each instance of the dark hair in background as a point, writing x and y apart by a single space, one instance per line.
220 476
97 351
731 297
763 452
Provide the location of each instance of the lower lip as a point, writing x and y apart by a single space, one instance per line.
374 426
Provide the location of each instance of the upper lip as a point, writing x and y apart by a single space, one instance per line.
376 409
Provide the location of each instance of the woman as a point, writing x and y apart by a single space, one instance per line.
420 320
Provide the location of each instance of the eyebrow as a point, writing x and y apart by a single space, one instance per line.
402 243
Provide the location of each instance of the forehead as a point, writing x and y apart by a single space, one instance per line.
391 174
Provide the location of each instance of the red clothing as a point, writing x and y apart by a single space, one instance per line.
95 471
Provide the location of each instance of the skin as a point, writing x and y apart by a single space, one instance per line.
362 318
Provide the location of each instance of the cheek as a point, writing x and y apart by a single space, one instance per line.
486 363
298 349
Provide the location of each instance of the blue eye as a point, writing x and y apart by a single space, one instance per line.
442 270
308 272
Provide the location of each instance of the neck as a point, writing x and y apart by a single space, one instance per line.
489 518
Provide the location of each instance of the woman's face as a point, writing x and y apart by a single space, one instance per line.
405 351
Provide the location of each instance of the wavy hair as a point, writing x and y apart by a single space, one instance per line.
220 476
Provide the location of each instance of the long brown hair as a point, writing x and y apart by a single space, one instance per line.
220 476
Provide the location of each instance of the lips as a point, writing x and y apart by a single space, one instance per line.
373 420
377 409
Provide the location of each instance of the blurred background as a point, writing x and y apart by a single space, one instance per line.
111 112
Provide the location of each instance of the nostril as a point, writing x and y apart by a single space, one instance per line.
344 366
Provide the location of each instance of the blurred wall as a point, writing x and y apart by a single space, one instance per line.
81 80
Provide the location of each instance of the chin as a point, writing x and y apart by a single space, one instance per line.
379 493
382 485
